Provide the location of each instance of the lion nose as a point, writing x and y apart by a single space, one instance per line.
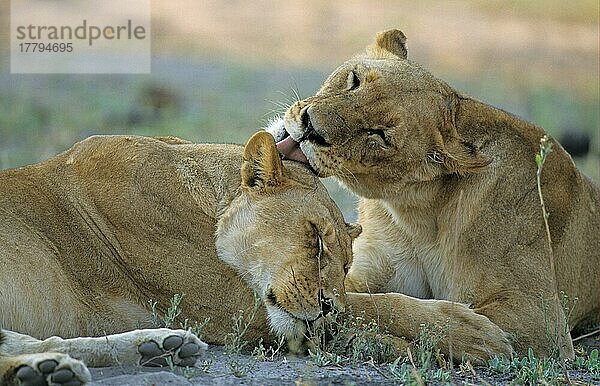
326 303
310 132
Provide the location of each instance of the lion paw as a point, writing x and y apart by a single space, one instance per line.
472 335
51 369
171 347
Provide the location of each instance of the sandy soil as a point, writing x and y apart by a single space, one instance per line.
287 371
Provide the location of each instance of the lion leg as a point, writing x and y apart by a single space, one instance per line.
148 347
466 334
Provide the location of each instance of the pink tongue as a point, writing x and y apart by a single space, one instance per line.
291 150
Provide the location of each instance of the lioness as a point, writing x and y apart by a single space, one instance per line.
89 236
449 205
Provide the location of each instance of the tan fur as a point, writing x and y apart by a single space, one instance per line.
449 205
91 235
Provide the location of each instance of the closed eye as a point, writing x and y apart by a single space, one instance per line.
353 81
321 261
320 252
376 132
378 138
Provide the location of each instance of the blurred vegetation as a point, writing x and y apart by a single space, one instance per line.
201 101
584 10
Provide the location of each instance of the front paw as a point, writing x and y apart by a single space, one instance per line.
471 336
50 369
165 347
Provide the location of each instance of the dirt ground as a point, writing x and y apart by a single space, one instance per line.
253 372
219 368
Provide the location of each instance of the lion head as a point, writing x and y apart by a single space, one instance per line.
379 120
287 239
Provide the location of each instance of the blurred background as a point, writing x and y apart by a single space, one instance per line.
222 68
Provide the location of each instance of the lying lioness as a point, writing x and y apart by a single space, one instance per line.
449 205
89 236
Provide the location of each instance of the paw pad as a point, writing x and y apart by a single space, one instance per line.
172 352
47 372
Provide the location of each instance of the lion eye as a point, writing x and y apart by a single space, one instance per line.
319 256
320 245
377 132
378 135
378 138
353 81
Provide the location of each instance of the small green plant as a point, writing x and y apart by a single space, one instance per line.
500 365
323 358
156 319
195 327
206 365
529 370
426 346
589 363
241 368
350 339
369 342
269 353
401 370
235 341
173 311
191 372
422 369
404 371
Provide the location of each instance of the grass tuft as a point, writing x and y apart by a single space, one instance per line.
167 320
350 340
235 341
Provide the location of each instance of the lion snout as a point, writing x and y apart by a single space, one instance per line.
304 303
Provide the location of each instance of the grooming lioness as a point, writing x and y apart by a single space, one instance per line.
89 236
449 205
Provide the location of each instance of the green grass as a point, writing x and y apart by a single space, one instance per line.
531 370
235 341
170 318
41 115
350 340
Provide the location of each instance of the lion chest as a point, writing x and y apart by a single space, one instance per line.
418 257
419 272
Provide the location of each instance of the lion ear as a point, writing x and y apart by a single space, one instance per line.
354 230
389 42
463 157
261 165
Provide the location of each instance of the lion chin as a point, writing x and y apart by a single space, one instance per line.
284 324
